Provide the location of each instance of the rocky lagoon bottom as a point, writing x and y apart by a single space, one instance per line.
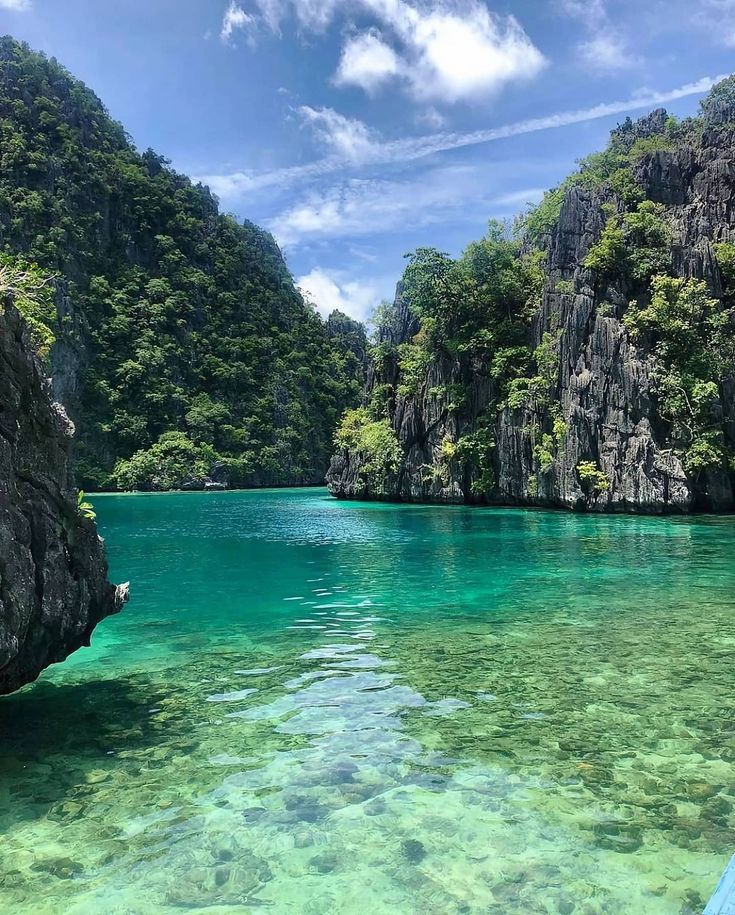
318 707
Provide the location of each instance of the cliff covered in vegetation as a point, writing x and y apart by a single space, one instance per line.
182 348
586 362
53 572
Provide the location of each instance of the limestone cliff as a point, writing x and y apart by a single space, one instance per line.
599 439
184 350
53 573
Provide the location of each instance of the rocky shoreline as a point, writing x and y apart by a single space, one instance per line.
54 587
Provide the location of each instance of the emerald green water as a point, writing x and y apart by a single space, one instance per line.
318 707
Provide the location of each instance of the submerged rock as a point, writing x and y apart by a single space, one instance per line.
53 572
413 850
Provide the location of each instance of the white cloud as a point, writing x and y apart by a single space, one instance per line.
330 290
17 6
272 12
526 197
358 207
314 15
231 186
605 50
347 137
234 18
606 53
718 16
449 50
367 61
361 207
334 213
459 55
591 12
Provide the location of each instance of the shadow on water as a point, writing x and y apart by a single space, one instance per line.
56 741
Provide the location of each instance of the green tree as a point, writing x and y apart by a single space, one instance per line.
31 291
374 440
692 337
189 321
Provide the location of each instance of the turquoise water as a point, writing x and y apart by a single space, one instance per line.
318 707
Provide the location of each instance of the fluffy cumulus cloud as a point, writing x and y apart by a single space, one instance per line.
367 61
17 6
331 290
443 50
455 54
234 18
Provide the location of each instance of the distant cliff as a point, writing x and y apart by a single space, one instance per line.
588 364
53 573
183 349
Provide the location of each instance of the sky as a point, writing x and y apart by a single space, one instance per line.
358 130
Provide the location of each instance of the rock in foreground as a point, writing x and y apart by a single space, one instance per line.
53 572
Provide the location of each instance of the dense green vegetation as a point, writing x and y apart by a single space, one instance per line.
694 344
181 322
477 306
31 292
477 312
608 171
373 439
634 245
479 303
171 462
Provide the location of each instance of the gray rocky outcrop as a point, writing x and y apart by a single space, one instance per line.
604 391
53 572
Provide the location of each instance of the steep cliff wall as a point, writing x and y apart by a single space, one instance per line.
601 434
182 341
53 573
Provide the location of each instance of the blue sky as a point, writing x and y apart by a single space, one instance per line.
357 130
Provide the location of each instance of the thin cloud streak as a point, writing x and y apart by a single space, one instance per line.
410 149
362 207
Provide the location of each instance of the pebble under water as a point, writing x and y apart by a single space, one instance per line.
320 707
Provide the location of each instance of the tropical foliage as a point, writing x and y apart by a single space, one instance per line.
31 292
593 480
478 303
478 317
181 319
84 507
692 337
373 439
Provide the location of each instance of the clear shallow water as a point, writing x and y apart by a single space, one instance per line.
317 707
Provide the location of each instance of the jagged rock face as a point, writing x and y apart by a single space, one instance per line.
604 384
53 573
